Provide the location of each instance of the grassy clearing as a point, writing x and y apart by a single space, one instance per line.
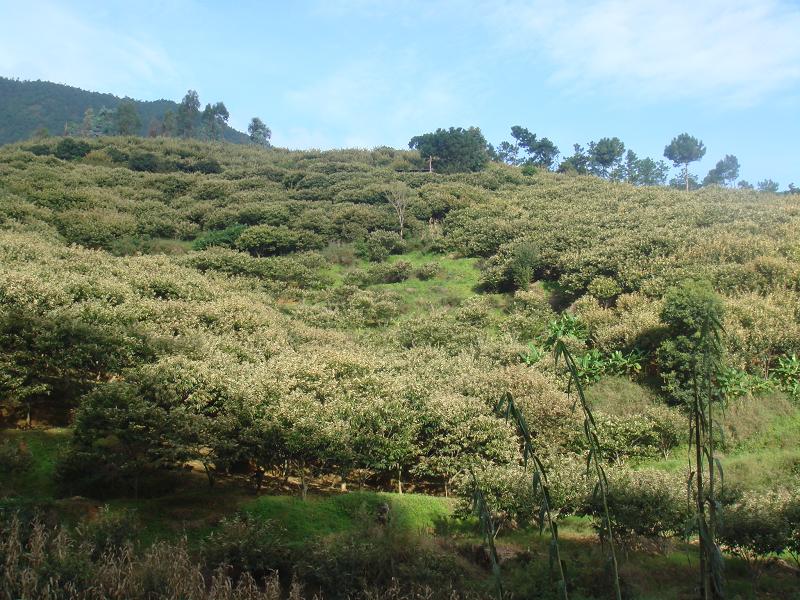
194 511
319 516
45 446
619 396
456 280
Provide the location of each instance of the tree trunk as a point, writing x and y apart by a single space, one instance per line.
285 472
686 175
399 480
209 474
701 513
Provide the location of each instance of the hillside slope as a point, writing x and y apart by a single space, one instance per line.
25 106
195 311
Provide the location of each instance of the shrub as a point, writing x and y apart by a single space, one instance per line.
39 149
653 432
509 492
378 245
14 457
144 161
117 155
646 503
247 544
48 562
71 149
427 271
689 309
207 166
475 311
439 331
604 288
96 228
226 238
378 558
380 273
390 273
373 308
758 525
296 270
266 240
109 532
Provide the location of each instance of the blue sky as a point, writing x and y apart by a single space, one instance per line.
366 73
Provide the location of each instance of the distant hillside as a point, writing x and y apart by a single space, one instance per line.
25 106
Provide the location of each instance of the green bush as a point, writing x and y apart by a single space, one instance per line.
204 165
14 457
266 240
144 161
95 228
71 149
604 288
376 558
427 271
247 544
298 270
760 525
652 433
688 309
390 273
378 245
509 491
646 503
109 532
226 238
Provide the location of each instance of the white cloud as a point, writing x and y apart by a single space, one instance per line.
376 102
731 51
42 40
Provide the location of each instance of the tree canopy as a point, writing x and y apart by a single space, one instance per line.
259 133
682 150
605 154
726 172
539 152
128 120
453 150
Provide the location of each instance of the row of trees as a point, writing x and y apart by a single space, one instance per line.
123 120
457 150
187 121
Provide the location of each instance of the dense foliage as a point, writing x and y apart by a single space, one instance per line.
242 308
28 106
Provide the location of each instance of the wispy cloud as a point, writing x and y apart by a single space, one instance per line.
374 102
731 51
48 41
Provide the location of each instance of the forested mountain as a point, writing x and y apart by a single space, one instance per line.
26 106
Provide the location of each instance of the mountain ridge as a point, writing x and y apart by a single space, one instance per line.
26 106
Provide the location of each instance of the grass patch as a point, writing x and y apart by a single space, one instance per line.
325 515
619 396
35 483
761 422
457 280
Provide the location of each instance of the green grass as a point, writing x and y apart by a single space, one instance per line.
45 446
619 396
456 281
325 515
194 511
